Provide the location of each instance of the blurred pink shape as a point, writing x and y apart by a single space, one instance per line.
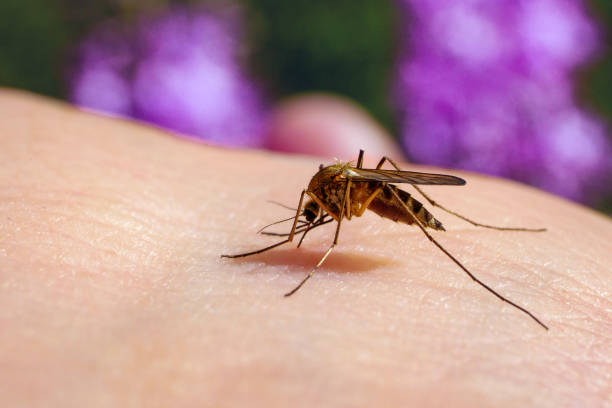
328 126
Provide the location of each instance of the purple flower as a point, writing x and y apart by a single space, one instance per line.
487 86
179 70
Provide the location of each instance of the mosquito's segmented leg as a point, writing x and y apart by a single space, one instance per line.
382 161
367 202
259 251
304 235
297 215
435 204
345 200
360 159
475 223
484 285
289 239
310 226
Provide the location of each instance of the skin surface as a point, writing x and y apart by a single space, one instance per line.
112 291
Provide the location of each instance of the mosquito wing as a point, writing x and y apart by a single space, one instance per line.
399 176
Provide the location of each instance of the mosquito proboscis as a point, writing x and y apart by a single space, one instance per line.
341 191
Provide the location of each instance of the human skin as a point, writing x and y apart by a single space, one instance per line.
113 292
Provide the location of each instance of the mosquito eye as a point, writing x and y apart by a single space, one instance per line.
320 167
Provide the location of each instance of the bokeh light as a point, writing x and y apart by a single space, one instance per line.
488 86
514 88
179 70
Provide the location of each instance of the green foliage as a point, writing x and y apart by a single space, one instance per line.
595 87
343 46
595 81
32 45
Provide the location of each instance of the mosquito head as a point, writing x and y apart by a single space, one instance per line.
311 211
321 166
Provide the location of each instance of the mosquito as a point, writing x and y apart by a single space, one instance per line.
342 191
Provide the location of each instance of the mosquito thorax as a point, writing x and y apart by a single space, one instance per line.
329 173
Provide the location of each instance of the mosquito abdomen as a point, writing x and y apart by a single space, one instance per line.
386 206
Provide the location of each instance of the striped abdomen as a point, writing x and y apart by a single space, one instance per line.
386 205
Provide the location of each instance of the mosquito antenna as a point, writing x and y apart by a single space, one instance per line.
303 228
281 205
274 223
286 234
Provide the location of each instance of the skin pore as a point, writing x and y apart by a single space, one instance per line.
112 291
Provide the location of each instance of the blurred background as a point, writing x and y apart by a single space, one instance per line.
515 88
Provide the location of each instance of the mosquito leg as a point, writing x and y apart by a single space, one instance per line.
310 226
278 234
484 285
291 234
360 159
365 205
435 204
259 251
475 223
367 202
311 272
297 215
383 160
345 200
304 235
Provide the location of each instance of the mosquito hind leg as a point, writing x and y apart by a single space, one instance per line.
456 261
464 218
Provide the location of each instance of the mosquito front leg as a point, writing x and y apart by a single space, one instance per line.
289 239
310 226
304 235
484 285
345 200
259 251
297 215
464 218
